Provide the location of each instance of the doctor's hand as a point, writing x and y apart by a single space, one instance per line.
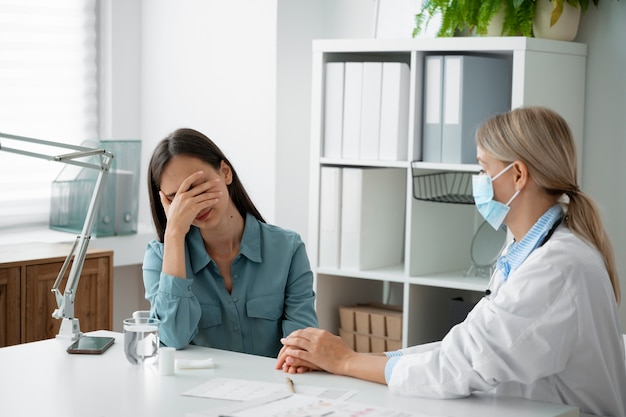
313 349
318 349
189 202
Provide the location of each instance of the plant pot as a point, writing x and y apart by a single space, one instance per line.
564 29
495 25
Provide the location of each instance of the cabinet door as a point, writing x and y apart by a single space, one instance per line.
92 304
10 326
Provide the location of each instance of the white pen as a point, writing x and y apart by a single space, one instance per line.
290 385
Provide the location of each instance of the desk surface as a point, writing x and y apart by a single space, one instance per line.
40 378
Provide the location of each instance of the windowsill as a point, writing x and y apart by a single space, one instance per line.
127 249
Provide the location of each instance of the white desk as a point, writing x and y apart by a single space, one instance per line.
41 379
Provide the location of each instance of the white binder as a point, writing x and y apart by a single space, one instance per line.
330 217
433 96
475 88
353 88
333 109
394 112
370 110
372 217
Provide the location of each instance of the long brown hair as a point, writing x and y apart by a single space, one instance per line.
541 139
191 143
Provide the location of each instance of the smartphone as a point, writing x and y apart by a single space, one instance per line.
91 344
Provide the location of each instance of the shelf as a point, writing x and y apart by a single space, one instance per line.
445 167
469 44
392 273
452 279
436 238
363 163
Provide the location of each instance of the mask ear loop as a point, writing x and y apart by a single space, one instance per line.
502 172
498 175
512 197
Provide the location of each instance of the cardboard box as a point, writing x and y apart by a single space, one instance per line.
371 327
380 320
377 321
377 344
391 345
362 318
393 325
346 318
362 343
366 343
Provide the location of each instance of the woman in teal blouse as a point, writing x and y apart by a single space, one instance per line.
218 275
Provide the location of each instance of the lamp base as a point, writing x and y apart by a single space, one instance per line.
70 330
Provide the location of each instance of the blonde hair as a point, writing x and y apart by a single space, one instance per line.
541 139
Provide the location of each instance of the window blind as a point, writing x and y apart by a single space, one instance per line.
48 90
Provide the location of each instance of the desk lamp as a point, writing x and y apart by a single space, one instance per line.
70 327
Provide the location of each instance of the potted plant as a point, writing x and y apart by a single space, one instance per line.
474 16
542 18
558 7
559 19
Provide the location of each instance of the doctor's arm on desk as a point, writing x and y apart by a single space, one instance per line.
319 350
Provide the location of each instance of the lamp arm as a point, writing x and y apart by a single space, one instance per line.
70 327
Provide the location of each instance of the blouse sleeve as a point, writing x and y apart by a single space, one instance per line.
299 309
171 300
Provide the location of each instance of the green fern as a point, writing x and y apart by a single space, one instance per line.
475 16
488 9
525 14
429 9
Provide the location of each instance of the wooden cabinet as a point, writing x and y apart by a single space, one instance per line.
436 237
27 274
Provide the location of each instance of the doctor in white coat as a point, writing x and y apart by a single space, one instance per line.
548 327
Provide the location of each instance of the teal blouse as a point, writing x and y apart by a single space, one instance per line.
272 292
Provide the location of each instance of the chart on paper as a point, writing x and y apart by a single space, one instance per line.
245 390
297 405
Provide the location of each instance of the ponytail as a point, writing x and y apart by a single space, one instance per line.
583 219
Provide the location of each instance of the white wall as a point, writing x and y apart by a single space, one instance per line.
211 65
119 69
298 22
603 29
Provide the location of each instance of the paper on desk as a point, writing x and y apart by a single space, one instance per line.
297 405
246 390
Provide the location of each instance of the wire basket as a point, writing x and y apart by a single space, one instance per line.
444 187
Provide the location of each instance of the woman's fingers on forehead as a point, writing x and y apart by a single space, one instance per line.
188 182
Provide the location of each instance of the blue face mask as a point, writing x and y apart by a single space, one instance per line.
493 211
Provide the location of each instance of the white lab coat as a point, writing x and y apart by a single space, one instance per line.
550 333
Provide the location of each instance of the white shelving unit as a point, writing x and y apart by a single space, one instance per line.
437 236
